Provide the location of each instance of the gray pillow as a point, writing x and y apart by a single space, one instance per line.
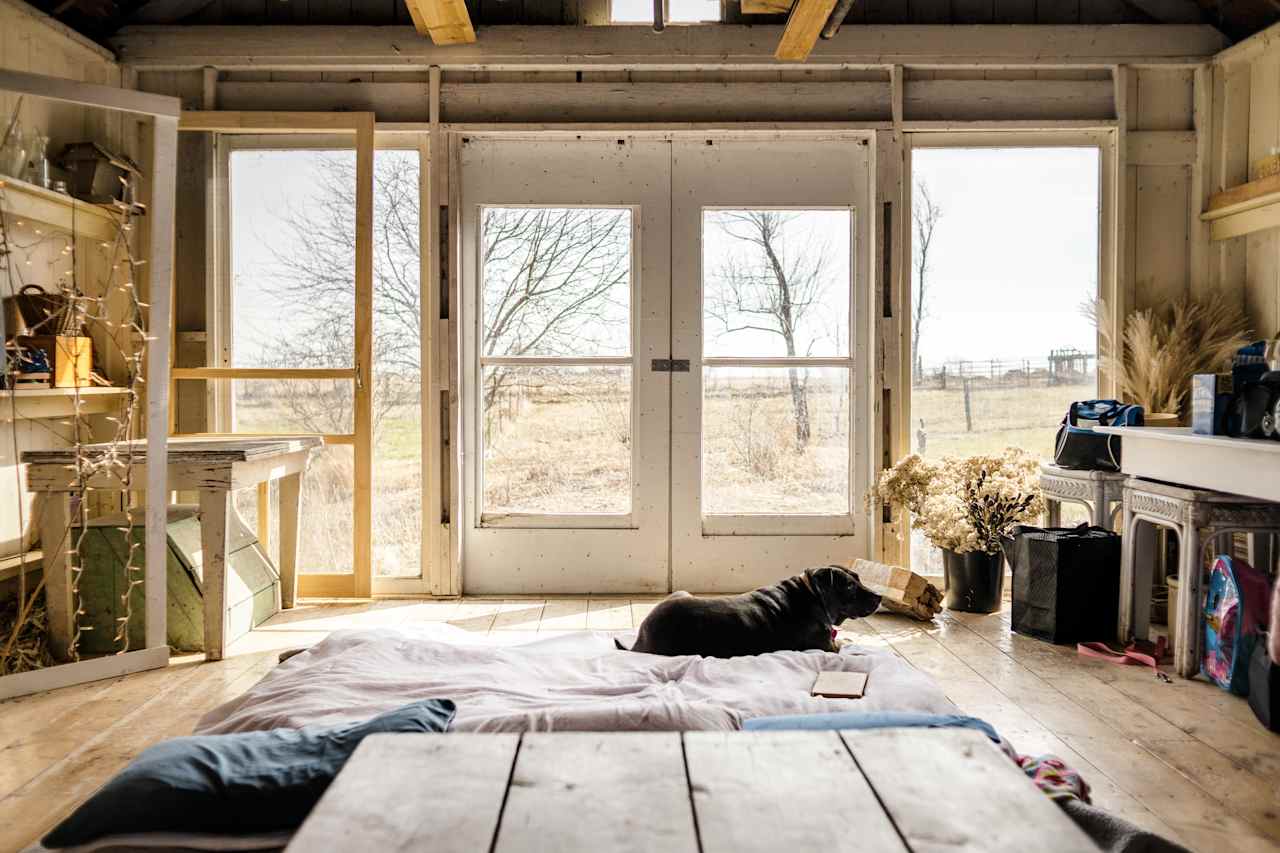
233 784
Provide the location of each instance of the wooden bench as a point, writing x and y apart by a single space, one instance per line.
886 790
211 467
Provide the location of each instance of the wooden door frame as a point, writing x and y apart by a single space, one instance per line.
1112 285
360 125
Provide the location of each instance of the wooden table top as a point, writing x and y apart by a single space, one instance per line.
890 789
192 449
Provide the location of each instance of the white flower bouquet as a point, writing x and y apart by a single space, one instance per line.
964 504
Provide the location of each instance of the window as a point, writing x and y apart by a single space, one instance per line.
292 227
555 353
775 417
677 11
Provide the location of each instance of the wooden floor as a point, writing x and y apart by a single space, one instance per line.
1185 759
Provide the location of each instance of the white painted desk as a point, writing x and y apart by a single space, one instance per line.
1237 466
213 467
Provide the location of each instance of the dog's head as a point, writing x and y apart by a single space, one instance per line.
844 595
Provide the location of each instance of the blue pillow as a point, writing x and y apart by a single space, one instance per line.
875 720
233 784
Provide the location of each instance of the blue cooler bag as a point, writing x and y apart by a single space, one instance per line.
1082 449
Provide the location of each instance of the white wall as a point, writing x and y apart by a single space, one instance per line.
1247 104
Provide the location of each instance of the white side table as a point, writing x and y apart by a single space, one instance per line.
1200 518
1101 491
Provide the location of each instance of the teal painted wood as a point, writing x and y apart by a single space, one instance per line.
253 584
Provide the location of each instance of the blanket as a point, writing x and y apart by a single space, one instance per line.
577 682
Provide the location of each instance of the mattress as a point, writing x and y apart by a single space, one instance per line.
576 682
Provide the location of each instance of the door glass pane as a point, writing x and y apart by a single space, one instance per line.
397 366
775 440
556 281
325 525
775 282
323 406
292 257
557 439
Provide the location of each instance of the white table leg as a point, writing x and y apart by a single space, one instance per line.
215 508
1124 623
1053 512
1099 514
290 510
1186 657
1144 565
54 542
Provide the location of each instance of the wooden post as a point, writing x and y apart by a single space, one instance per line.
362 559
215 507
55 516
290 509
968 412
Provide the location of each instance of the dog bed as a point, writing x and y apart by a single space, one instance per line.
577 682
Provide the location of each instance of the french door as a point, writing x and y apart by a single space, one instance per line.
664 361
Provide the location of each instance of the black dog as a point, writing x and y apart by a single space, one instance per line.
795 614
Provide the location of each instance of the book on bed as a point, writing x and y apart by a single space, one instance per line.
840 685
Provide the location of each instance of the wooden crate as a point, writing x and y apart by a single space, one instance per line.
253 584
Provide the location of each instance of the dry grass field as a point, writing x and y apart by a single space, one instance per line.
562 444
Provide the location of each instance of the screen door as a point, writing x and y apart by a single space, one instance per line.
566 283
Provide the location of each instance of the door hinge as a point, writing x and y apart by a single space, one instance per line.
669 365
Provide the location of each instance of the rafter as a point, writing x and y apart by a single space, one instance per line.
804 25
445 21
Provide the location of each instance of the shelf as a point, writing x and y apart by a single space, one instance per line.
22 200
1244 209
58 402
11 566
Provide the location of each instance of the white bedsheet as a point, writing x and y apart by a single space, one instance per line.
577 682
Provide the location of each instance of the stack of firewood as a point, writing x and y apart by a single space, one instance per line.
901 590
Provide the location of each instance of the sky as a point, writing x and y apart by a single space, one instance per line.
1014 254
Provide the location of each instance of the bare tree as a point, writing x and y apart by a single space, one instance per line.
925 215
770 289
554 284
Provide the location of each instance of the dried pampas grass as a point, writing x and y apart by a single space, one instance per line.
1163 349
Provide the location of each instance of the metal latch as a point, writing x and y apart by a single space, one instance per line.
669 365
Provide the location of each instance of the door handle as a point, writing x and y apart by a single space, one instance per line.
669 365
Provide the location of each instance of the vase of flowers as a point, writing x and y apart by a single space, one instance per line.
967 506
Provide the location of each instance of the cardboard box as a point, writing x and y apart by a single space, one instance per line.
71 357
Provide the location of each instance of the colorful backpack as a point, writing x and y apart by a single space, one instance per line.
1235 617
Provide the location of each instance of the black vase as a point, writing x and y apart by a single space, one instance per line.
975 581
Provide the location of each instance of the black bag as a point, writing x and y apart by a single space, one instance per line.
1264 687
1080 448
1066 582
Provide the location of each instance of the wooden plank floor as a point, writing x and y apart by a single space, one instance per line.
1184 759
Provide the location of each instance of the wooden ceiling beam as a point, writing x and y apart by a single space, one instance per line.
444 21
804 25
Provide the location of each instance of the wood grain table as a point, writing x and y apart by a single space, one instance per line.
212 467
890 790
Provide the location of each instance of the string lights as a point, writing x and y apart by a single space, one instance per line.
115 316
